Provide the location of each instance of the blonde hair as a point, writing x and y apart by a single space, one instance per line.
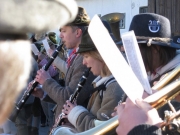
15 57
95 54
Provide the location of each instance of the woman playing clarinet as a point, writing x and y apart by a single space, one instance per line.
105 95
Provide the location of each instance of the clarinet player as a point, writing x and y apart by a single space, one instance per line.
106 92
73 68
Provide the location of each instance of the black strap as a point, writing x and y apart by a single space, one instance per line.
102 87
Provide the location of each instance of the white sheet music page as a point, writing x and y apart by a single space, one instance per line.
135 59
46 45
34 49
114 60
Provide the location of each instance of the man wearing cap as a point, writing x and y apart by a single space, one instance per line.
153 33
71 37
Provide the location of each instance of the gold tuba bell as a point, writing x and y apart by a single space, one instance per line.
168 86
113 19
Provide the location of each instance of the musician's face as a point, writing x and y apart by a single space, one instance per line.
70 36
95 65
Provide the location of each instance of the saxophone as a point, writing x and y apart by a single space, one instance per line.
168 88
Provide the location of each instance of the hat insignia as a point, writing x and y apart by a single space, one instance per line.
178 40
154 26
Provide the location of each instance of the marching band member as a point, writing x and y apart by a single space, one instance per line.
107 91
160 56
140 119
70 35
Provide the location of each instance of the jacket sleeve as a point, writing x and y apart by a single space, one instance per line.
60 64
48 99
105 106
60 94
145 130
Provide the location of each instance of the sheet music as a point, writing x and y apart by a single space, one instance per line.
135 59
114 60
46 45
34 49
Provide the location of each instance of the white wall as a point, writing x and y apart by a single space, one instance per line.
130 7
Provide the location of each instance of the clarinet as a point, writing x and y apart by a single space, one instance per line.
28 92
72 99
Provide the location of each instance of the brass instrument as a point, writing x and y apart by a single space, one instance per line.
113 19
52 39
168 86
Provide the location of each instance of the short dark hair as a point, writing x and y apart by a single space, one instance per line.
83 28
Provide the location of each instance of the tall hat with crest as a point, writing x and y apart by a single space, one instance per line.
17 18
151 28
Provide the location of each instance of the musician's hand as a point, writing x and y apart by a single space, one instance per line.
131 115
115 112
65 121
41 56
54 66
42 76
50 52
145 94
38 92
68 107
30 85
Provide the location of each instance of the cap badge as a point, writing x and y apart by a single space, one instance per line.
154 26
178 40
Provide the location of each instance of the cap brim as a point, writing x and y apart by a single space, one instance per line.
78 24
169 44
120 43
82 50
35 16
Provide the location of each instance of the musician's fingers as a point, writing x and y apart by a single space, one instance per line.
154 83
120 109
30 84
64 116
64 111
41 70
36 78
63 123
114 114
145 94
115 109
69 104
65 107
75 102
143 105
38 72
